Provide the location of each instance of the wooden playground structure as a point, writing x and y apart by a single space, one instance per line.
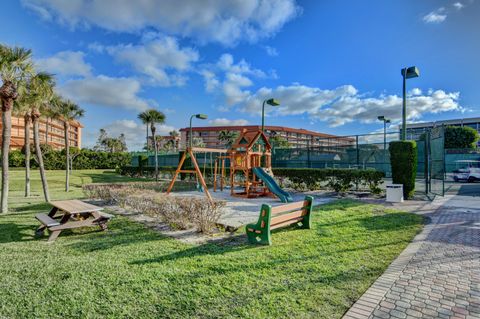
251 149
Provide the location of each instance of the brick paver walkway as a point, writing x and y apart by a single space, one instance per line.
437 276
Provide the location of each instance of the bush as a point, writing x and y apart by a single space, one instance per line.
403 159
460 137
178 211
339 180
84 159
16 159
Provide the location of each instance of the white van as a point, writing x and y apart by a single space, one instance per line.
469 172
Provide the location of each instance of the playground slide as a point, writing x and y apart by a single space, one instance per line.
272 185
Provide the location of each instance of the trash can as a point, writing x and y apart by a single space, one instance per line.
394 193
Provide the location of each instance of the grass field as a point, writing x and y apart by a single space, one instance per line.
133 272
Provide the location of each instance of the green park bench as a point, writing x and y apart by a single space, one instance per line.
279 216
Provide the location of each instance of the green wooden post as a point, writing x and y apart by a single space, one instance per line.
263 226
307 219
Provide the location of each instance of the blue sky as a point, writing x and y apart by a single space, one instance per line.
334 65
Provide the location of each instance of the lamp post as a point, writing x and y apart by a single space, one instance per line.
385 121
271 102
198 116
407 73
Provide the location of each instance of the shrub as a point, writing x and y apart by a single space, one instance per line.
460 137
84 159
16 159
339 180
403 159
179 212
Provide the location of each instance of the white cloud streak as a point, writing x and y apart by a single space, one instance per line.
436 16
227 122
225 22
160 58
106 91
66 63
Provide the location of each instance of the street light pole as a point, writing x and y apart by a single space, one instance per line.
263 115
385 121
407 73
404 106
198 116
271 102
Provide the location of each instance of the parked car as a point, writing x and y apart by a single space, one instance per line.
469 172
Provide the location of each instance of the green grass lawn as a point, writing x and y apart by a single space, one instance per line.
133 272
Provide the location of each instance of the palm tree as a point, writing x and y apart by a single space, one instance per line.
228 137
153 116
42 96
22 109
67 111
174 134
15 65
145 120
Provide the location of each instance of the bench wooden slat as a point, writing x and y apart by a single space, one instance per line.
285 217
287 222
46 220
288 207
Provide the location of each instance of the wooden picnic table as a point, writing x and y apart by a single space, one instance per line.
69 214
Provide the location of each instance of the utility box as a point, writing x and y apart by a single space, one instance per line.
394 193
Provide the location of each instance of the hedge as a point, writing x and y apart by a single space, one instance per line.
340 180
86 159
403 159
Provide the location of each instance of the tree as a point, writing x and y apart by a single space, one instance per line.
279 142
67 111
174 141
460 137
22 109
15 66
153 117
197 142
40 88
145 120
110 144
227 137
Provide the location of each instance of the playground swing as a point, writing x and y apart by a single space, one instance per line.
196 168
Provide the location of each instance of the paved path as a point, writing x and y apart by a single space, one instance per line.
438 274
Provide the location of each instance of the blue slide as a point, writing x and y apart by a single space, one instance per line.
272 185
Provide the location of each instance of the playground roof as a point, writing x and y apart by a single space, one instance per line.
247 139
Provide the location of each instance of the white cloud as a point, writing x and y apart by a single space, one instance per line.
437 16
134 132
155 59
458 5
271 51
225 22
106 91
415 91
345 104
66 63
211 81
232 78
227 122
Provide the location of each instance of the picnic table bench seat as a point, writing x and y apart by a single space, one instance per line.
46 220
279 216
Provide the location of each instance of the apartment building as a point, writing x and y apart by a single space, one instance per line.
296 137
414 131
51 132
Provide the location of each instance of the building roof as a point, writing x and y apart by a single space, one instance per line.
256 128
446 122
